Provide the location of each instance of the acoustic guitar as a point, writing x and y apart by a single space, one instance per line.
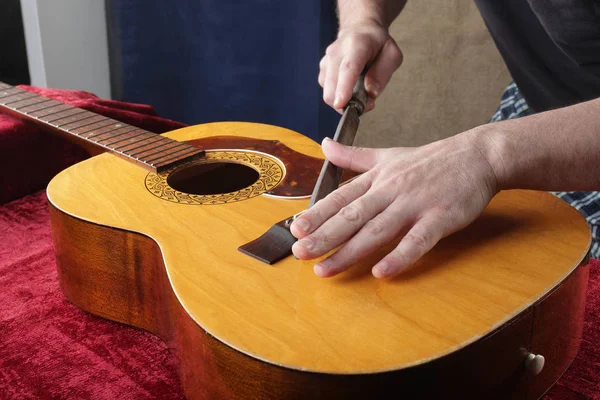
147 234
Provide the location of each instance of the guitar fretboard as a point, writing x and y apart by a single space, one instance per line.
153 152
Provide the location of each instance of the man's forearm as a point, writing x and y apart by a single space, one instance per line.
382 12
557 150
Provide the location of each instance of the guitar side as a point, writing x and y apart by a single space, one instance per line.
120 275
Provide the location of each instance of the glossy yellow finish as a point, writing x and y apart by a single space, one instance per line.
524 244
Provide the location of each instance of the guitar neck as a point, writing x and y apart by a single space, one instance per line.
154 152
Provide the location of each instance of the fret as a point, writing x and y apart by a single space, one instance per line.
181 147
120 138
107 139
11 98
18 97
28 102
58 116
134 136
100 131
192 152
90 121
119 134
77 118
39 107
154 150
88 130
51 110
140 145
96 131
10 92
111 131
134 140
168 152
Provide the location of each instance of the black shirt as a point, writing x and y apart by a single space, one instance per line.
551 47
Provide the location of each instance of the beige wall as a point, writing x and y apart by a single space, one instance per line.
451 79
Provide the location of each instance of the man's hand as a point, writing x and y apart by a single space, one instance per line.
421 194
367 43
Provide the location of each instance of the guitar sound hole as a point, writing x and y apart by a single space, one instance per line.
212 178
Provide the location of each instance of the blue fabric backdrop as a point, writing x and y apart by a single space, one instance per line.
199 61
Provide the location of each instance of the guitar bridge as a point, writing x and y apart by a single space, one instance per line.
274 245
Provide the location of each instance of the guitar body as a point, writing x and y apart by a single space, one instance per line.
133 248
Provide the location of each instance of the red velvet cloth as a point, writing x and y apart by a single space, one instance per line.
49 349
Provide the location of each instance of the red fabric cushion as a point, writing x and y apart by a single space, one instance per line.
49 349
